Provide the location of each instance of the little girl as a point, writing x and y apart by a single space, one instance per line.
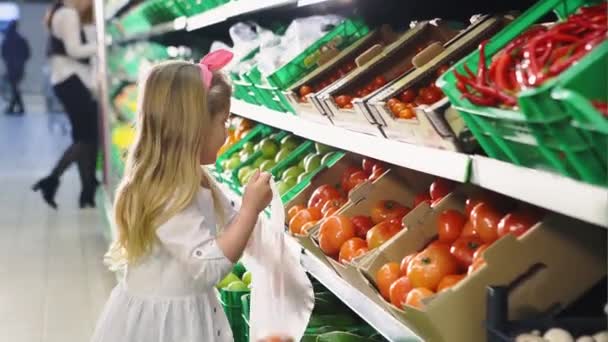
177 233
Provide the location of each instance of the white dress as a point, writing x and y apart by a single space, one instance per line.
170 296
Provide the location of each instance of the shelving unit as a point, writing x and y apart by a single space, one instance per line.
545 189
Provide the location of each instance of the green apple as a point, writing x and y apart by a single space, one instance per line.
290 142
305 159
233 162
237 285
224 163
239 269
258 162
243 173
247 278
302 176
274 136
283 153
268 147
282 187
231 277
247 176
313 163
322 149
292 171
248 146
244 155
267 165
327 157
291 181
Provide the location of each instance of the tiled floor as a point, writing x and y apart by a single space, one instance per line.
52 280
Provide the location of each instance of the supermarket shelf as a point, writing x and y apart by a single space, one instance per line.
118 8
177 24
381 320
442 163
232 9
547 190
557 193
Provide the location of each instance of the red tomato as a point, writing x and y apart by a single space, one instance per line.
392 101
422 197
468 230
385 277
414 297
307 227
305 90
361 251
382 232
343 100
376 173
405 263
430 266
323 194
388 209
356 178
348 106
449 225
362 225
449 281
368 165
407 113
485 221
399 290
469 204
334 232
408 95
517 223
379 81
332 205
442 69
440 188
294 210
464 248
350 248
302 217
398 107
346 185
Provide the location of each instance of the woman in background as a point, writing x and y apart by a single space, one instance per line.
70 54
15 53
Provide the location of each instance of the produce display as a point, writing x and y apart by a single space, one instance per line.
413 246
534 57
462 238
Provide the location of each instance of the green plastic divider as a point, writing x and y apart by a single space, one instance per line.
537 136
233 307
294 191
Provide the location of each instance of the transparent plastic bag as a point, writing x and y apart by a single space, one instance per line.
282 296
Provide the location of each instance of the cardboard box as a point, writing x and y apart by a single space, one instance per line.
432 126
333 60
554 263
392 62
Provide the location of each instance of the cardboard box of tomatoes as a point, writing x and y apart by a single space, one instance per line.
413 109
328 193
344 100
434 275
335 65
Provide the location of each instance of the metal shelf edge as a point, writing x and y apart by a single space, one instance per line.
551 191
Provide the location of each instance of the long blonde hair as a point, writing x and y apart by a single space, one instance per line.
163 172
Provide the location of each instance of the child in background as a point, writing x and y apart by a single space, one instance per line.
177 234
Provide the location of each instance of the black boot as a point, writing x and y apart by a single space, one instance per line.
48 186
87 196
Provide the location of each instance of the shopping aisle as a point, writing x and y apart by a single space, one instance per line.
53 283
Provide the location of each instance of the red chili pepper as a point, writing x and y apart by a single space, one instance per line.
481 67
479 100
503 63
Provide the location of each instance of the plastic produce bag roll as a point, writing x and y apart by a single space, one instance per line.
282 296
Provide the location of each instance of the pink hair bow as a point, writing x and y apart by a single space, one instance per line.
213 61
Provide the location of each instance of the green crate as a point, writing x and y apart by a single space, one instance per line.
584 81
257 133
293 192
266 94
193 7
343 35
233 307
527 138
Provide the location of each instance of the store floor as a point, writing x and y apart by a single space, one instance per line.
52 280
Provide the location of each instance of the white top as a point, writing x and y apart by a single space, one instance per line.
170 296
66 26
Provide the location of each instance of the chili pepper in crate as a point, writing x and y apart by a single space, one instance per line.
532 58
601 106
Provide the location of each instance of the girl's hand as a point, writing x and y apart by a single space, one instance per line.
257 192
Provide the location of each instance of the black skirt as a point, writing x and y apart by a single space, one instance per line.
81 109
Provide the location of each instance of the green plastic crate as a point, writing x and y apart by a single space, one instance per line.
193 7
584 81
233 307
528 138
293 192
343 35
266 94
257 133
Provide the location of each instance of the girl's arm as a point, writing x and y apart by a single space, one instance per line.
66 26
257 197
